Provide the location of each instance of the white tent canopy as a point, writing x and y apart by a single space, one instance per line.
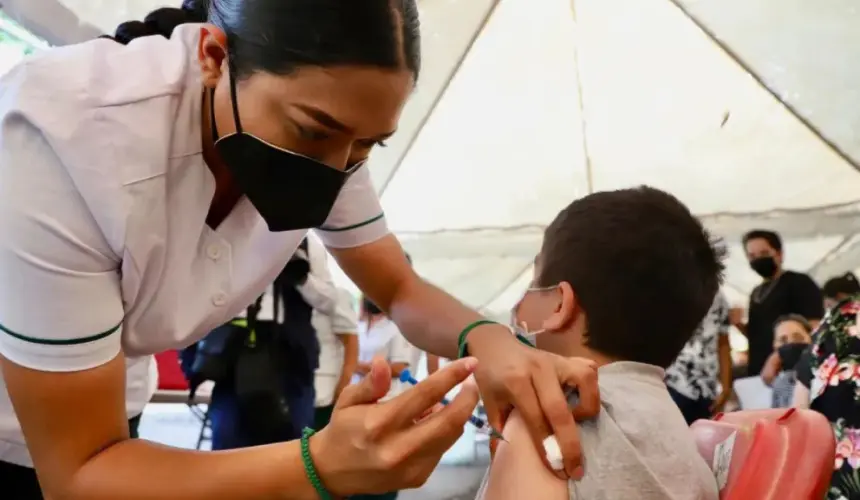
524 106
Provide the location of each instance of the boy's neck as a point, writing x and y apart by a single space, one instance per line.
585 352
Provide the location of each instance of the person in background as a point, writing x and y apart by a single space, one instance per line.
839 288
302 287
379 337
432 364
791 336
700 379
338 337
827 378
781 292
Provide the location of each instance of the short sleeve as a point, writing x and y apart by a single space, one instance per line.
345 319
356 218
807 299
60 302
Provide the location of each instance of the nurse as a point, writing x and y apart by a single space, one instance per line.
151 191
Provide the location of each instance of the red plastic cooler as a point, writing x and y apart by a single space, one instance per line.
783 454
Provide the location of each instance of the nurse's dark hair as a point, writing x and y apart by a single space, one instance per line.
280 36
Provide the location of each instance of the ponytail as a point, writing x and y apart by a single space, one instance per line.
162 21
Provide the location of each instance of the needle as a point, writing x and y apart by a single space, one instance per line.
407 377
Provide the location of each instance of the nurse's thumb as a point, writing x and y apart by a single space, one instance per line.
373 386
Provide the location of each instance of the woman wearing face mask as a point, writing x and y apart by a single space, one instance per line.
379 337
791 337
152 188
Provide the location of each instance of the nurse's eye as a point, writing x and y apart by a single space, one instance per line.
309 134
369 143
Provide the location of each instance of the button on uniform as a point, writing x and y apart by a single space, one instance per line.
214 251
219 299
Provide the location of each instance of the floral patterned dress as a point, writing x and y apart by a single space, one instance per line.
831 370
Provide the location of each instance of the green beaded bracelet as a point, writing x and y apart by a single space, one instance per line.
310 469
462 346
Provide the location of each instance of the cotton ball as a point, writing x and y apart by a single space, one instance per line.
553 453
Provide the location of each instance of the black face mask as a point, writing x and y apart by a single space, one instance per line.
789 354
290 191
764 266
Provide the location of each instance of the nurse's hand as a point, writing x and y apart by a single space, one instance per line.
514 375
376 448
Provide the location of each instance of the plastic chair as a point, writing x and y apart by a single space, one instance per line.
780 454
170 376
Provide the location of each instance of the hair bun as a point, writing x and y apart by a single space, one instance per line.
162 21
849 276
198 10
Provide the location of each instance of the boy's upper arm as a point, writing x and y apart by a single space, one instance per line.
518 470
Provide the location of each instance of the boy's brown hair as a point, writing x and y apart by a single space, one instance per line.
642 266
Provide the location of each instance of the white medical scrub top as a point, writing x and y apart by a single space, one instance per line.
384 339
104 194
342 321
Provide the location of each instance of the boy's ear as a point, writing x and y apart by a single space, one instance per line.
566 309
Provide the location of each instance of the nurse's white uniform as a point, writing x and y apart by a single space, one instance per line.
103 200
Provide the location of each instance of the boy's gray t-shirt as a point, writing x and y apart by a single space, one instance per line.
639 446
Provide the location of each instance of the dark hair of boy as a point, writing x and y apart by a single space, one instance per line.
643 268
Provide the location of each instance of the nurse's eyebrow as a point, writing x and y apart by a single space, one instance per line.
324 118
331 122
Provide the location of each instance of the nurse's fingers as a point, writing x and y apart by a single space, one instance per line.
407 407
373 386
554 404
439 431
573 374
581 374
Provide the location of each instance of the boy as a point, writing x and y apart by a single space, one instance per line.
623 278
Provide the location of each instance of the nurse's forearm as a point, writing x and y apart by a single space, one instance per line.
430 318
142 470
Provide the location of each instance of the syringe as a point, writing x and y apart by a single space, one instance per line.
407 377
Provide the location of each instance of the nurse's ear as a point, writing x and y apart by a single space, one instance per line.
212 54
